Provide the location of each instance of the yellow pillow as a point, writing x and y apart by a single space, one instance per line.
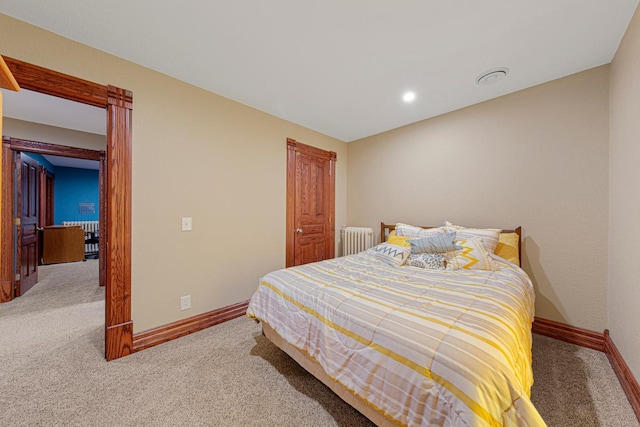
508 247
473 256
399 240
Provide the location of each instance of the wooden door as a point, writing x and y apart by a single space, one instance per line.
29 209
310 204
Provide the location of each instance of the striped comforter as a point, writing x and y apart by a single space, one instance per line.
422 347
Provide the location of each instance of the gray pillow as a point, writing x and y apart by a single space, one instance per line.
434 244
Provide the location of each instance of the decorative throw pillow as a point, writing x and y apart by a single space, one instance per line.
508 247
392 254
399 240
489 236
416 232
424 260
438 243
473 256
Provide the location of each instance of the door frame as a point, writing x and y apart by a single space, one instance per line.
118 104
46 184
17 145
293 147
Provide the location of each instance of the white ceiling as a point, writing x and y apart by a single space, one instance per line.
69 162
53 111
50 110
341 67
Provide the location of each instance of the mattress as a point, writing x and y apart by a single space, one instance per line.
418 346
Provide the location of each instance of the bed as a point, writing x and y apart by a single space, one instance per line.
407 345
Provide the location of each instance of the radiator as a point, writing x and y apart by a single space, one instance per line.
356 239
88 227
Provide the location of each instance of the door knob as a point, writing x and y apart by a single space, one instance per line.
298 230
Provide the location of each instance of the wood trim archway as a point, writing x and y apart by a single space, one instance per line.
118 104
16 144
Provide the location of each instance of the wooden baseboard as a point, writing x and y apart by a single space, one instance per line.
570 334
187 326
625 376
596 341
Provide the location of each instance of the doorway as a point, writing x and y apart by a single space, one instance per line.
33 204
118 104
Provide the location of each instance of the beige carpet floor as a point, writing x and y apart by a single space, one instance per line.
53 373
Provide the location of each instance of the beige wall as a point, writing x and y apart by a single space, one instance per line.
194 154
536 158
624 199
53 135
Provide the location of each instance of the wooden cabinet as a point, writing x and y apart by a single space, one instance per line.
62 244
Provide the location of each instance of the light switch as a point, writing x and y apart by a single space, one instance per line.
186 223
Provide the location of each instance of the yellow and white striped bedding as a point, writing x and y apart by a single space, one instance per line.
422 347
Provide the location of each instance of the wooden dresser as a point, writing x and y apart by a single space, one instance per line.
62 244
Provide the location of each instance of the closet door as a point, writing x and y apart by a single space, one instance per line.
310 204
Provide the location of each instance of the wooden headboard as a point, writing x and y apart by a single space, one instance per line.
385 229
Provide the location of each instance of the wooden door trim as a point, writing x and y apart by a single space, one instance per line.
42 199
119 329
37 147
46 198
102 222
7 80
6 224
118 104
16 208
54 149
291 192
43 80
294 146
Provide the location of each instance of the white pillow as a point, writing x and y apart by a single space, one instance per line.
413 232
393 255
489 236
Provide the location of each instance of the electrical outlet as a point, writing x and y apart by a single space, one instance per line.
185 302
186 223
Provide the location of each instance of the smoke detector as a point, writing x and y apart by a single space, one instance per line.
492 76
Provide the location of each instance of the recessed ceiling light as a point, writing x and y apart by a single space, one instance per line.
492 76
408 96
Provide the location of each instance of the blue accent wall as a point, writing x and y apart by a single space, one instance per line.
71 187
